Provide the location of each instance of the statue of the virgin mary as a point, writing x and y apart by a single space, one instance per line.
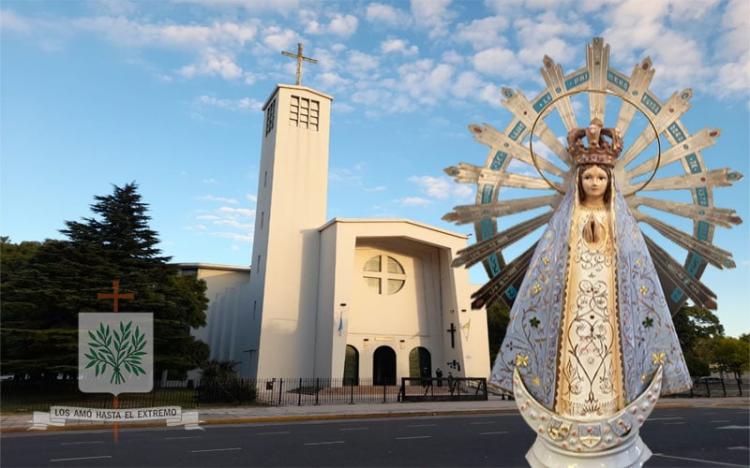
590 344
590 325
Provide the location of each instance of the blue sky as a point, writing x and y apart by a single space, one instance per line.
168 94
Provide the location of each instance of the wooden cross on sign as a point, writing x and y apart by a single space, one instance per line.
452 330
115 295
300 58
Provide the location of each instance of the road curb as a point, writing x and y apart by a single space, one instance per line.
343 416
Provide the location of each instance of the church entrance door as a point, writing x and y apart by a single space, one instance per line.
351 366
384 366
420 363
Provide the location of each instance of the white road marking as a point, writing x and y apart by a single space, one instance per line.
55 460
673 423
326 443
720 420
664 419
412 437
422 425
217 450
738 448
82 443
734 427
273 433
699 460
483 422
354 429
182 437
493 432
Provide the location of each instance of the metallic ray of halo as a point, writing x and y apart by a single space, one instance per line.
475 253
715 178
672 276
463 214
523 110
470 174
715 256
703 139
677 105
555 78
639 81
495 287
723 217
499 141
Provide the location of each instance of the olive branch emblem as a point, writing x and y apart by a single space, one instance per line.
118 349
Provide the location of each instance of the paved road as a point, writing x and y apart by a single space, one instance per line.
678 437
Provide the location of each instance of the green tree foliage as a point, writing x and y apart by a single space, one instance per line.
731 355
44 287
498 317
695 327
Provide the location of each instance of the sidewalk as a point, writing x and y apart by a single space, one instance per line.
19 422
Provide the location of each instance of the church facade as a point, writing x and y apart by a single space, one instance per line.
356 298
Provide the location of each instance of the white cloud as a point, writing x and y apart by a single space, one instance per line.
213 63
209 180
386 14
231 104
354 176
441 187
251 197
342 107
734 75
497 61
468 83
359 62
229 210
432 15
9 21
413 201
390 46
331 80
213 198
483 33
235 236
277 38
343 25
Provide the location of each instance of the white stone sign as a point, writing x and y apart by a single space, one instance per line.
115 352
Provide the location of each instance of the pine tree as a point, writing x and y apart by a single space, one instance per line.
43 291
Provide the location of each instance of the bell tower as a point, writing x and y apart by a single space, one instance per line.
291 206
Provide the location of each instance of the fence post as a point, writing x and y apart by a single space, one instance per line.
317 379
281 385
299 393
351 392
739 385
708 389
384 392
723 387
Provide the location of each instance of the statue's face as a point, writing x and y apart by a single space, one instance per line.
594 181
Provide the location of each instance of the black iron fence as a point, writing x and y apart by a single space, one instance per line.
27 396
443 389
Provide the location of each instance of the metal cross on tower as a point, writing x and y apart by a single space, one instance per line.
300 58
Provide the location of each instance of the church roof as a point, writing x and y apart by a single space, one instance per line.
390 220
211 266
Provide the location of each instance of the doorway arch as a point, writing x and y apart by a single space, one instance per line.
384 366
420 363
351 366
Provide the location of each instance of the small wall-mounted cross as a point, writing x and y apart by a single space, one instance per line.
300 58
452 330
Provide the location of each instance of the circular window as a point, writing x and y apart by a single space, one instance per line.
384 275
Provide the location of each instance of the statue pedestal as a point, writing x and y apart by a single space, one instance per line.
611 441
632 454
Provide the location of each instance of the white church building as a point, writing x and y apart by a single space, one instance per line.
356 298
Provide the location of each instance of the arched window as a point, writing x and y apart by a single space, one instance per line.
351 366
384 273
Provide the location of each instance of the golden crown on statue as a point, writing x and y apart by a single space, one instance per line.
605 144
